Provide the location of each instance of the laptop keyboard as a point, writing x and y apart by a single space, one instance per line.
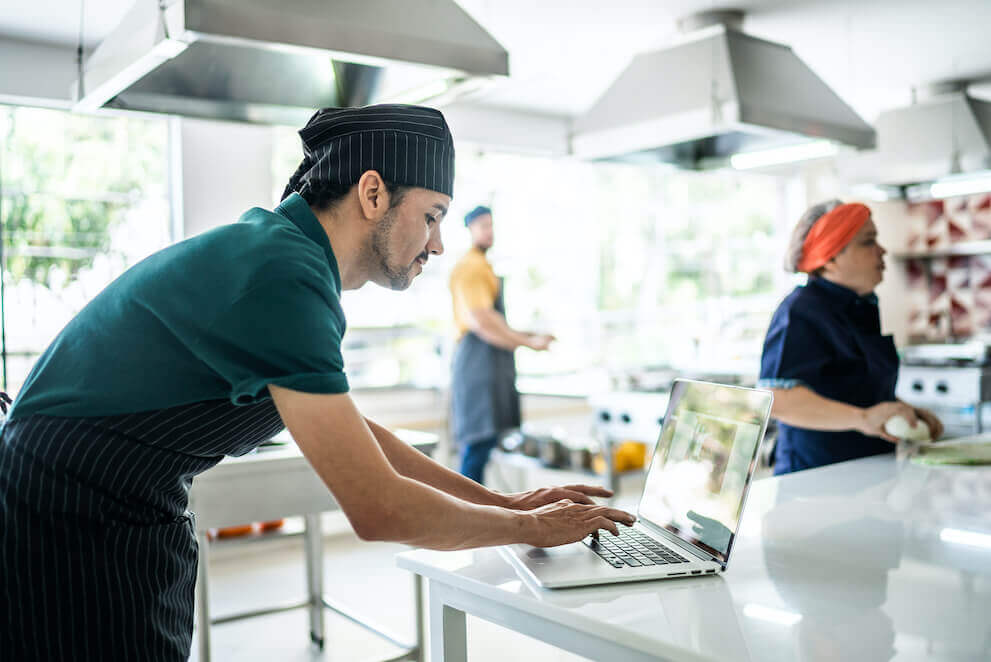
632 548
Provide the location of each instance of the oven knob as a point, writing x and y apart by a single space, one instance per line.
917 386
625 418
605 416
942 387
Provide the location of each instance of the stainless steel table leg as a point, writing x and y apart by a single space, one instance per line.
202 596
314 575
608 451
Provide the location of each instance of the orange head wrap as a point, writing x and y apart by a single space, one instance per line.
831 233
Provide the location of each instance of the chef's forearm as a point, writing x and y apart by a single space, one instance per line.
804 408
491 326
411 463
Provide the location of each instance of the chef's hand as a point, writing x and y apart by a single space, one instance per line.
935 425
539 342
873 419
565 521
545 495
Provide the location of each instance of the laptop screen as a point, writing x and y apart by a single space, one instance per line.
703 462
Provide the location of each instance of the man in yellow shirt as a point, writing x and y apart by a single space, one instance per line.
484 398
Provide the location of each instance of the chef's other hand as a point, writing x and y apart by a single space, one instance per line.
565 521
873 418
935 425
545 495
540 342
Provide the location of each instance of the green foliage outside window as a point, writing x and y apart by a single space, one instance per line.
83 198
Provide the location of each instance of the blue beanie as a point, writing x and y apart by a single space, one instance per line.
480 210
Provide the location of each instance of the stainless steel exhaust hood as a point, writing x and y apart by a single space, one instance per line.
945 132
715 93
275 61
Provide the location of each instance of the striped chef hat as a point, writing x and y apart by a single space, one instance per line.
407 145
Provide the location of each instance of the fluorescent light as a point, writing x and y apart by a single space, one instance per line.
816 149
421 93
441 91
876 192
961 185
776 616
962 537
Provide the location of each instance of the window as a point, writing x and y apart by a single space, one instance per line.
81 199
629 266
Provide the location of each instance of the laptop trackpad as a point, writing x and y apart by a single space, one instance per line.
562 551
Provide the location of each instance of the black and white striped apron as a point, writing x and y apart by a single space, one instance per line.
97 550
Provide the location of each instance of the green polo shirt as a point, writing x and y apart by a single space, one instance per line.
220 315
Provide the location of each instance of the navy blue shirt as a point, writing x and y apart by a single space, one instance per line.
828 338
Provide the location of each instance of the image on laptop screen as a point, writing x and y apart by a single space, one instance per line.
706 453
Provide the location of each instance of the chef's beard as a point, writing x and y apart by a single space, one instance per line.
399 277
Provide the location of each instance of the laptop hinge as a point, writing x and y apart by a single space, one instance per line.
683 544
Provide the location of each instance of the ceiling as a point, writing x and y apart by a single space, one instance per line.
565 53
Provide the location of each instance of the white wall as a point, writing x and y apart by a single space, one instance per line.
226 170
33 74
506 130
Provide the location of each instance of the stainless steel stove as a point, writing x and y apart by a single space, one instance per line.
953 380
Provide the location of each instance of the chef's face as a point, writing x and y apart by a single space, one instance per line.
860 265
482 234
407 236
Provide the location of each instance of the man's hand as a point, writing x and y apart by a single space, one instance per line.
545 495
565 522
873 419
539 342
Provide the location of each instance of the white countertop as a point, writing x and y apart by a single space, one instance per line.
868 560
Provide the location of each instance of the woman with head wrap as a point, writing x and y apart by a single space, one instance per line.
832 372
208 348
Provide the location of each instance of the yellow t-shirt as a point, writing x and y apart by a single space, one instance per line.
474 285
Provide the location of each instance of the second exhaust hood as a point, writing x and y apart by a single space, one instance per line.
275 61
945 132
716 93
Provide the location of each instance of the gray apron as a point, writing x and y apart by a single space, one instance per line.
484 399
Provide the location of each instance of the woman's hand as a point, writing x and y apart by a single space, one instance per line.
873 419
565 522
545 495
935 425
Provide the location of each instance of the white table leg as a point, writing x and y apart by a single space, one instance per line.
314 575
202 596
448 635
418 615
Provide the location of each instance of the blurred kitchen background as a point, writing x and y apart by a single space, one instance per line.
645 163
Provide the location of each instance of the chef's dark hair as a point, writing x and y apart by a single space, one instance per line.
323 194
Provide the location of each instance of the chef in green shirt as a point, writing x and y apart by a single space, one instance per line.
209 347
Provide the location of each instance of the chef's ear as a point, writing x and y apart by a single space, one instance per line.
373 197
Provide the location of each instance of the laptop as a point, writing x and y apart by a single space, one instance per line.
692 500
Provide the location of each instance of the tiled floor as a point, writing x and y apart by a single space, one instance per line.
361 575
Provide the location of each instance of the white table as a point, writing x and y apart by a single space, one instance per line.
270 485
859 561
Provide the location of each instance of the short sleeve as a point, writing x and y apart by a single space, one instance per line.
471 289
795 353
285 332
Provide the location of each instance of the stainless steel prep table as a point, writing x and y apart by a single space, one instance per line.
270 485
